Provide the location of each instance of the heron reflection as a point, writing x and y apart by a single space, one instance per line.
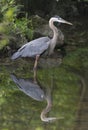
34 90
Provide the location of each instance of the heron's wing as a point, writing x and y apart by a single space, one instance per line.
33 48
29 88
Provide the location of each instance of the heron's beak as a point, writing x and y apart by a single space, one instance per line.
64 21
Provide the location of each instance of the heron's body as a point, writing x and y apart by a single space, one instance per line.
38 46
29 87
33 48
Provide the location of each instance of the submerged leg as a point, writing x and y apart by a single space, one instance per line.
35 67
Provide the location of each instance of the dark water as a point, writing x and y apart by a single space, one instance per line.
67 81
19 111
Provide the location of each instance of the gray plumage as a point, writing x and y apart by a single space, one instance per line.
29 88
33 48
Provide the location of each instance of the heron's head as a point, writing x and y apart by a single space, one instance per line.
59 20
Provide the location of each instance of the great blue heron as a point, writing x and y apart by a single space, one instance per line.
44 44
34 90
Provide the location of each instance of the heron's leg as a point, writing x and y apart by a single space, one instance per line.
35 67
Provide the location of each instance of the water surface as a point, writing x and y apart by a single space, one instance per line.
67 80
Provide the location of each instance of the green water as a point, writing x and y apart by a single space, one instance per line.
65 80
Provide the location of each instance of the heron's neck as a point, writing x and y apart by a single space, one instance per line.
55 31
55 36
45 111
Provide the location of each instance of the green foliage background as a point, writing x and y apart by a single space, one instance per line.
11 26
